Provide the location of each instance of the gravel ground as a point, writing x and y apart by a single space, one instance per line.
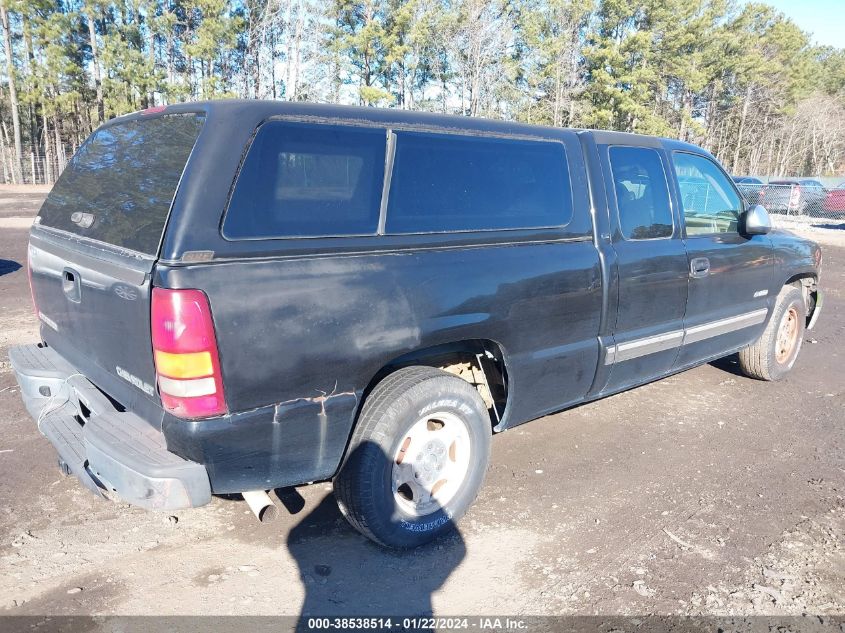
706 493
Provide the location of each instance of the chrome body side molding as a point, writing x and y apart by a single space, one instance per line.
668 340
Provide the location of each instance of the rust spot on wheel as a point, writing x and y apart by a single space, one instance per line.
787 336
402 449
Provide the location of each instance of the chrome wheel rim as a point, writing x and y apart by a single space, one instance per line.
787 335
431 463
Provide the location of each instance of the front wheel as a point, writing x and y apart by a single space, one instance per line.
772 355
417 458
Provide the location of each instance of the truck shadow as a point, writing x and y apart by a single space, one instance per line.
8 266
729 364
345 574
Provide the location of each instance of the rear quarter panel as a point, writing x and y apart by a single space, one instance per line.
305 327
301 339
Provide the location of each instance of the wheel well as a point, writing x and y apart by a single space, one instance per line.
478 361
801 279
806 283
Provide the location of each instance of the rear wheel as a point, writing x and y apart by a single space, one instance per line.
772 355
417 459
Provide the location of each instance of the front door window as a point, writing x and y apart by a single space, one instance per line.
708 199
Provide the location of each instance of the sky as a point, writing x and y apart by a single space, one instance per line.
825 19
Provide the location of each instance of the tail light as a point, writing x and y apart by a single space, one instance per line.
185 351
795 197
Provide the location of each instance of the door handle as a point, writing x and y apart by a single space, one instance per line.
699 267
71 285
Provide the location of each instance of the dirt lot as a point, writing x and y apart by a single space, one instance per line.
705 493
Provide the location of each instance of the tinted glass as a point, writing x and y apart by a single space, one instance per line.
709 202
448 182
642 195
308 180
119 186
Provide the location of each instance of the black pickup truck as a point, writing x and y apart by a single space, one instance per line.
239 296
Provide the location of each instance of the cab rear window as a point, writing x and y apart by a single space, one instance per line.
119 186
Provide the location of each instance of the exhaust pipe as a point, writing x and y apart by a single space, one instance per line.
261 504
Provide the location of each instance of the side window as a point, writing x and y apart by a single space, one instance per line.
642 195
710 203
308 180
450 182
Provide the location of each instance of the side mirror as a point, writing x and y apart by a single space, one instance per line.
756 221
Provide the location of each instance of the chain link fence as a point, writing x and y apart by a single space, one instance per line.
800 199
37 168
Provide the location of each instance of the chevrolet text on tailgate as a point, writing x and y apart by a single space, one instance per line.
241 296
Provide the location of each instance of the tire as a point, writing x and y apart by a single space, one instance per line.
772 355
409 411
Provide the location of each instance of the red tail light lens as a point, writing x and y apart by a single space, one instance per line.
185 351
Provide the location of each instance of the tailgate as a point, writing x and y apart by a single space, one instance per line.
94 308
93 248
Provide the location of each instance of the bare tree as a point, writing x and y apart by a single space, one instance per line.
820 121
13 92
89 12
479 45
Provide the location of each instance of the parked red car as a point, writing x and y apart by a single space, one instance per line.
834 201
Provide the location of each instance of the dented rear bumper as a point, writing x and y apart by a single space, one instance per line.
108 450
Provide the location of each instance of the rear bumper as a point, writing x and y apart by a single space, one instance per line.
106 449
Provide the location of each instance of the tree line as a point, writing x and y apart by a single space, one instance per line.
739 79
